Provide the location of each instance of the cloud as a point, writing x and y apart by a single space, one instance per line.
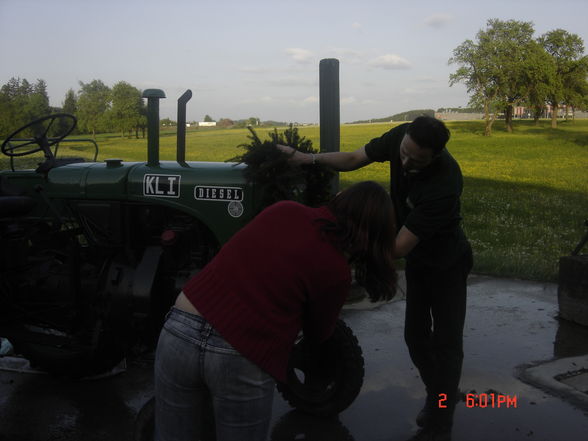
310 100
348 56
292 82
356 25
390 62
427 79
301 56
413 91
348 100
438 20
254 70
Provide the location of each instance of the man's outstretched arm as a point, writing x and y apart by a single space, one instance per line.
340 161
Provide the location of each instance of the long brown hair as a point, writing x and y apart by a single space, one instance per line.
365 230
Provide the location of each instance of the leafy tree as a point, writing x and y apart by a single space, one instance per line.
541 78
225 122
476 71
38 101
253 121
127 103
21 102
576 87
511 41
93 102
207 118
571 68
70 105
495 69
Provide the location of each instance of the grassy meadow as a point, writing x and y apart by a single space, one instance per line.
525 194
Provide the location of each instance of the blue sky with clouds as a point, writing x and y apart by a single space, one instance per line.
260 58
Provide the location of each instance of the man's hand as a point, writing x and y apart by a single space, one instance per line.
406 240
296 157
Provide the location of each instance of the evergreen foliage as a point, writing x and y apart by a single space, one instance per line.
268 169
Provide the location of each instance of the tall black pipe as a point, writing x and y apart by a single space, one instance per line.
181 147
153 96
329 110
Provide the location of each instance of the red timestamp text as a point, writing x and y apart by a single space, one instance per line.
484 400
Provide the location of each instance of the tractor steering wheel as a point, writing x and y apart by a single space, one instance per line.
40 128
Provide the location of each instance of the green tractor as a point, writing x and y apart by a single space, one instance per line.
93 254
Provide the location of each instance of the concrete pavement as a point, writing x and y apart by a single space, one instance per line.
527 370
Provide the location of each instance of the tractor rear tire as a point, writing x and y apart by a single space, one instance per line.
71 356
339 381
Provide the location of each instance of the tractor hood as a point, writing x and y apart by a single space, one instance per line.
214 192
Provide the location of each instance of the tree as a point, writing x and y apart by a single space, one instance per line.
38 101
511 41
541 78
494 68
476 71
225 122
570 65
576 87
21 102
93 102
253 121
207 118
126 107
70 103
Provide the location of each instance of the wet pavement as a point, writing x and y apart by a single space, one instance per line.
528 369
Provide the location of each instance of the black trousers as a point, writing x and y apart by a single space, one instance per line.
433 329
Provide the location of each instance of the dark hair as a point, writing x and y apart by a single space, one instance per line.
365 230
429 132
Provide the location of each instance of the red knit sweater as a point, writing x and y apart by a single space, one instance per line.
275 276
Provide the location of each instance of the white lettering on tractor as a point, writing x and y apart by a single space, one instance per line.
211 193
162 185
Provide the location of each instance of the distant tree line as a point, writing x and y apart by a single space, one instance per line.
506 67
229 123
97 107
404 116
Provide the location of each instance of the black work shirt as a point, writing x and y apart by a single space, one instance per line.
427 202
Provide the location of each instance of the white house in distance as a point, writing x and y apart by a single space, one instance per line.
206 123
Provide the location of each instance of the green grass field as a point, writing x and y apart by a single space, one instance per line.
525 195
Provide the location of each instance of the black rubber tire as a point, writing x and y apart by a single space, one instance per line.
72 356
327 386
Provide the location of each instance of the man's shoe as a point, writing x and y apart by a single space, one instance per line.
425 416
431 433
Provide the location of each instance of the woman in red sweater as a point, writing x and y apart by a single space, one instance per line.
233 326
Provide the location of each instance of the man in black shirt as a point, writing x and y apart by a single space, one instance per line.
426 185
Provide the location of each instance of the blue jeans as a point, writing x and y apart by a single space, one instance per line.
204 388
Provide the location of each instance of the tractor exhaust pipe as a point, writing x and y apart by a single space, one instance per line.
153 96
181 149
329 110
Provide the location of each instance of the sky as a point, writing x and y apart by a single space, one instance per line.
260 58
